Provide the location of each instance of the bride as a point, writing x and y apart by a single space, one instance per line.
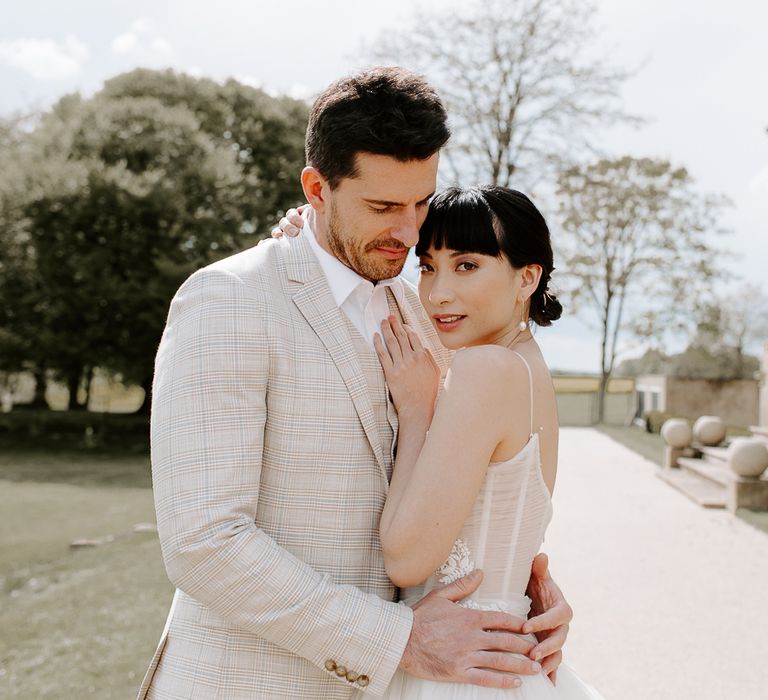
475 469
473 477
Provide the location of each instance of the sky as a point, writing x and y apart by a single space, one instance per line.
700 82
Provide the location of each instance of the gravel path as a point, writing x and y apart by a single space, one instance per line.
671 600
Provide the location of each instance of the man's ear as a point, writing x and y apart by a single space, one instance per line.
316 188
529 280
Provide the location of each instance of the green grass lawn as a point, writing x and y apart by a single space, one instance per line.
649 445
77 623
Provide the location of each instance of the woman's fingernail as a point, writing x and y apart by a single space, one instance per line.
536 668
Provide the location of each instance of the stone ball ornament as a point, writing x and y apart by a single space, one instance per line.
748 457
709 430
677 433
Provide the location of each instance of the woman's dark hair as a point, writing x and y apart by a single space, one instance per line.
495 221
387 111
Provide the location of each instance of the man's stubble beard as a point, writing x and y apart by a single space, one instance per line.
357 257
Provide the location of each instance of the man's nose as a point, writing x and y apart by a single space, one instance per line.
407 232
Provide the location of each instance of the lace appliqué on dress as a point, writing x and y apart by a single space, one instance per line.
458 564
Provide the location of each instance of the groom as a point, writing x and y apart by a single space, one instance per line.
273 439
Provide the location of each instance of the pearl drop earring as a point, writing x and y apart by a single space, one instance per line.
522 326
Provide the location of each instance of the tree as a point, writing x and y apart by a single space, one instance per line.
130 193
727 326
265 134
21 292
635 242
520 79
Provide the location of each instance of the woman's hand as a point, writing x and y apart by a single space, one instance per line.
291 224
412 374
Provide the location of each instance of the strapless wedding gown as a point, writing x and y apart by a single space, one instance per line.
501 536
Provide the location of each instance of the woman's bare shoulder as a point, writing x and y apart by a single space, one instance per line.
487 368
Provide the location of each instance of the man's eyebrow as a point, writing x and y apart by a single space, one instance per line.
387 203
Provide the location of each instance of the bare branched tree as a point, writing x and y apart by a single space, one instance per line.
636 243
520 79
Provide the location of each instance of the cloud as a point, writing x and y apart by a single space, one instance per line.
759 183
298 91
142 38
125 43
45 59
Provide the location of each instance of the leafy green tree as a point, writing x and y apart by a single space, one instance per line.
637 250
127 193
22 294
264 133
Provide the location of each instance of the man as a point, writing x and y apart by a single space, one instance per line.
273 440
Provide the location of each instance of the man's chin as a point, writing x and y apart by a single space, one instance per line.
379 270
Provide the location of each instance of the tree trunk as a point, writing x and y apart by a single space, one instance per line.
41 382
601 397
88 386
147 402
74 378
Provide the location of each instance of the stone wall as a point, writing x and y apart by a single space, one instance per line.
580 408
735 400
763 418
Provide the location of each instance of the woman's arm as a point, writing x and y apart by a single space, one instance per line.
438 475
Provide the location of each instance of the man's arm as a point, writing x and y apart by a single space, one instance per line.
208 418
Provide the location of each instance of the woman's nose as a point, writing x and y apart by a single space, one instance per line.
440 294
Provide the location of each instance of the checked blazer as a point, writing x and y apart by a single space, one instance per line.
269 477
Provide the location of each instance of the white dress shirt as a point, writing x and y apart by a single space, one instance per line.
364 303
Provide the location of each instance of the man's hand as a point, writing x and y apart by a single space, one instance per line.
550 617
451 643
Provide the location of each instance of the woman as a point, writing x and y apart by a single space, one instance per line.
475 469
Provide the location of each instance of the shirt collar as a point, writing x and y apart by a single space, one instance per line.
343 280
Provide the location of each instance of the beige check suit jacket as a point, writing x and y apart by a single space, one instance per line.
269 479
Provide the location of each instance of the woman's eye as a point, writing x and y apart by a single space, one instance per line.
423 267
466 266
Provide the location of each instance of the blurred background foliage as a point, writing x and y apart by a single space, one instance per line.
107 204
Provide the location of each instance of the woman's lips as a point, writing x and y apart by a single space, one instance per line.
448 322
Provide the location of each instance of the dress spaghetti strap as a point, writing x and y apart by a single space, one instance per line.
530 388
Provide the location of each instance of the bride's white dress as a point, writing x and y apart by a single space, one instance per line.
501 536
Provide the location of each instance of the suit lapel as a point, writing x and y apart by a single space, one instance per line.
315 301
417 319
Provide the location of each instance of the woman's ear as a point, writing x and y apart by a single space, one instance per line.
315 188
529 281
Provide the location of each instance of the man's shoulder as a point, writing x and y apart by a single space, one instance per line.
253 265
259 269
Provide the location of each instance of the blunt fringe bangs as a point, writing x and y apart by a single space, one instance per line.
460 219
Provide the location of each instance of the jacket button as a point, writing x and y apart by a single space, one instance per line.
330 665
341 670
363 681
352 676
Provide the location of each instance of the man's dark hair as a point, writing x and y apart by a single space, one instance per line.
385 111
